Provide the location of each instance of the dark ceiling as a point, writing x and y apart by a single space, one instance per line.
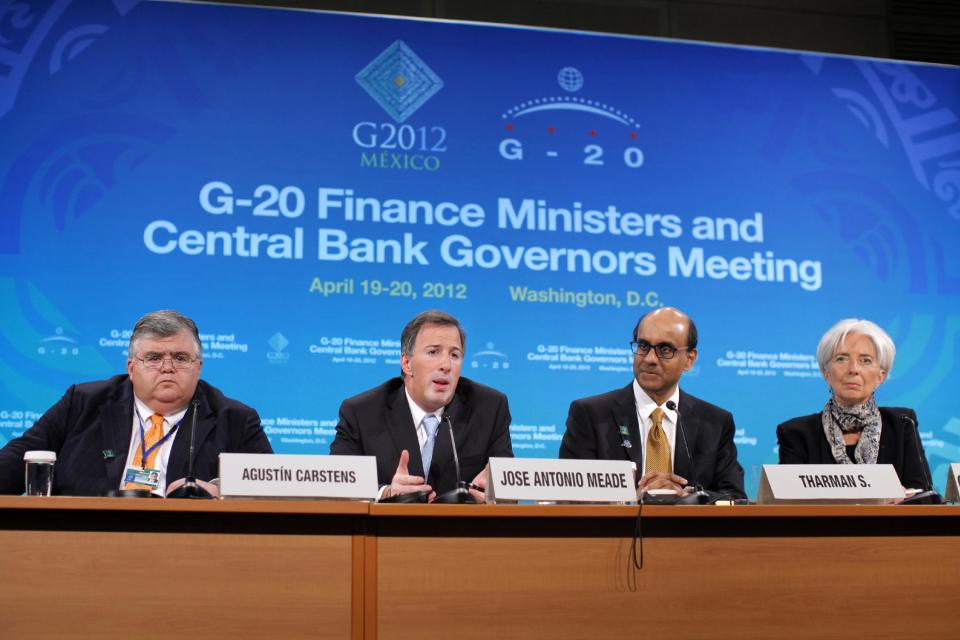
922 30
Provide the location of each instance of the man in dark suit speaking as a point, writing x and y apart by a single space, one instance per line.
640 421
133 431
405 421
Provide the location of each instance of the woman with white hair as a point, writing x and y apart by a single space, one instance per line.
855 357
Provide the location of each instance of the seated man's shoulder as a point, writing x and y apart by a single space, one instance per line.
218 401
623 394
109 389
693 403
377 394
467 387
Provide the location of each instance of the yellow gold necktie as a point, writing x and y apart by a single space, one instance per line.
658 448
150 438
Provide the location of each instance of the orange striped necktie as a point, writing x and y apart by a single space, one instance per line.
151 438
658 447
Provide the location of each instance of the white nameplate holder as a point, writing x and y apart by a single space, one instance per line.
953 483
829 483
262 475
562 480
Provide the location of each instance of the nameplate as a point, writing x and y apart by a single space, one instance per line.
953 483
826 483
561 480
259 475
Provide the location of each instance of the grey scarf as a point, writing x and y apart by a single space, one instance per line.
863 419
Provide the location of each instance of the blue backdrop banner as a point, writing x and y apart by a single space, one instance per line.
303 183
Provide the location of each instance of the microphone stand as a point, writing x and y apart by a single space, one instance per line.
459 495
698 496
190 488
929 495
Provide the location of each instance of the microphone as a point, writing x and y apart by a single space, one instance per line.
698 496
928 495
190 488
459 495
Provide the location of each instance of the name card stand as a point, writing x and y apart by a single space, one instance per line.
953 483
829 484
543 480
259 475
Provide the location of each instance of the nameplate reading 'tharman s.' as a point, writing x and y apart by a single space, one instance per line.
561 480
826 483
258 475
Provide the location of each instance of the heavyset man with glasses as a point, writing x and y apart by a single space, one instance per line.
133 431
639 421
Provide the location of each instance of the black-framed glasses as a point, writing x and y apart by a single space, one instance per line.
663 350
180 360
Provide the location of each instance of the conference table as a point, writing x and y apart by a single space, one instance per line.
119 568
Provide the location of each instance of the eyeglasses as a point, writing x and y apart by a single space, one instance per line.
663 350
180 360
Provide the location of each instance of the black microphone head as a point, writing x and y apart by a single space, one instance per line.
671 405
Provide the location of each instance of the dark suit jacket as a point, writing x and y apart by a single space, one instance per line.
90 428
802 441
378 423
593 433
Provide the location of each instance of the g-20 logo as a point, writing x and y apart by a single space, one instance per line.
400 82
566 125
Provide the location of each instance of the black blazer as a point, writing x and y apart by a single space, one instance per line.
802 441
378 423
90 429
593 433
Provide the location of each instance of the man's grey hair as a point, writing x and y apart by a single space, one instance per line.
163 324
835 336
409 335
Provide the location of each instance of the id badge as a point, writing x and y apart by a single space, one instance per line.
147 478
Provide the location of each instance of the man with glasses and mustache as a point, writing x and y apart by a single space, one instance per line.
639 422
133 431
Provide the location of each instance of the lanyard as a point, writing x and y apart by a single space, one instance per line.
159 443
